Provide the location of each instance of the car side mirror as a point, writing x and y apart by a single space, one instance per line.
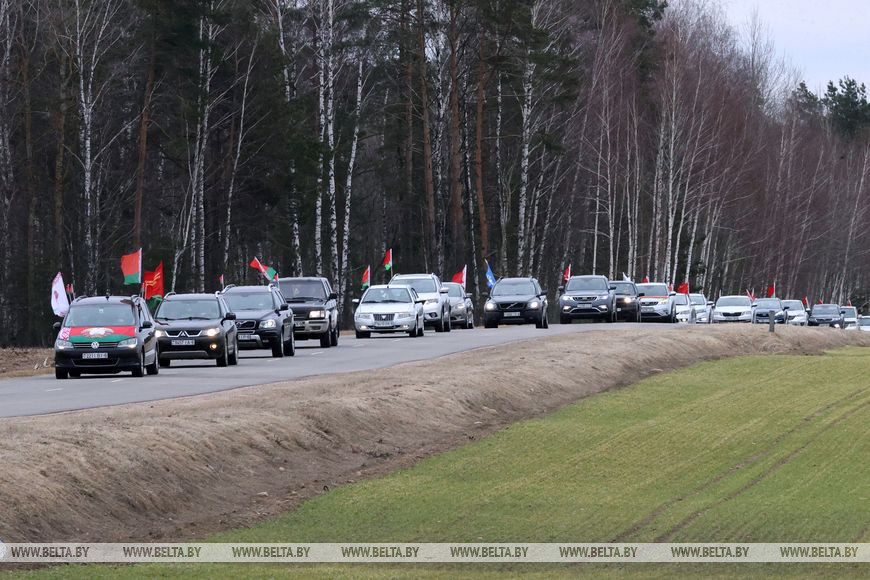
672 293
420 301
710 303
284 308
56 326
333 296
355 301
147 324
543 293
641 294
443 291
230 316
786 307
613 286
561 288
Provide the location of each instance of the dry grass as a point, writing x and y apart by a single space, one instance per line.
25 362
182 468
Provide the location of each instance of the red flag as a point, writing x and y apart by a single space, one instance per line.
849 303
806 302
154 282
820 301
269 272
131 267
388 260
366 277
683 288
771 290
646 279
459 277
566 275
670 287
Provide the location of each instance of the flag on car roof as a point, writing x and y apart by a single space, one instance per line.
221 280
459 277
490 277
683 288
131 267
566 275
366 277
59 299
806 302
154 282
388 260
646 279
269 272
771 290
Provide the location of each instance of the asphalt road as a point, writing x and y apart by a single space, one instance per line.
44 394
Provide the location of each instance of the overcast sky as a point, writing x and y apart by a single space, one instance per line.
824 39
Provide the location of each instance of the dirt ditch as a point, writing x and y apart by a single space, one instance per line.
182 468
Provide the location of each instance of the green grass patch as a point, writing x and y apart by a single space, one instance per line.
748 449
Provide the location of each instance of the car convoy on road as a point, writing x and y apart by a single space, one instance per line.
111 334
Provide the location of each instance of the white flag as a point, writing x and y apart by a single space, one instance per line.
59 300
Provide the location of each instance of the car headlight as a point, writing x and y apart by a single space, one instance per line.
627 299
603 297
212 331
160 333
432 301
747 313
268 323
535 304
663 302
317 314
490 306
129 343
62 344
565 298
459 307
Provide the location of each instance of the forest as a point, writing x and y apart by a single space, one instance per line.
621 137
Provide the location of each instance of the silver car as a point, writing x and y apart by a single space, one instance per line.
796 312
388 309
703 308
732 309
436 306
864 323
684 310
850 317
461 306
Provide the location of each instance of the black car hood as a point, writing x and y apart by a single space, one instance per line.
253 314
187 324
307 306
513 298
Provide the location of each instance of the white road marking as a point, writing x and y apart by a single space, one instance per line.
316 353
273 360
396 340
117 380
51 390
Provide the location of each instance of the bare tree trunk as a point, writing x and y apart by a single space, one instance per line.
348 187
144 123
428 182
457 229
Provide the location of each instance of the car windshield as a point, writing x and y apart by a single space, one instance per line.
864 321
249 300
766 304
512 287
826 309
188 309
298 290
681 300
454 290
652 289
624 288
386 296
697 299
793 304
421 285
734 301
586 285
850 312
100 315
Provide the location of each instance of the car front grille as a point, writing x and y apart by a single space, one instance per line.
87 345
384 317
735 314
512 306
584 298
183 333
246 324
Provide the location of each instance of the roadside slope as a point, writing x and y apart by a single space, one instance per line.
182 468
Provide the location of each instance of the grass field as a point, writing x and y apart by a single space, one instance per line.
748 449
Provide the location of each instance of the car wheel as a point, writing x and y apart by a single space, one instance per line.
469 324
278 348
360 334
60 374
290 346
154 367
413 332
224 359
326 339
234 358
546 321
139 371
165 362
449 325
333 338
440 326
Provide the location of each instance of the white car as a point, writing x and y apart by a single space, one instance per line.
864 323
850 317
656 302
732 309
683 309
797 313
703 308
388 309
436 305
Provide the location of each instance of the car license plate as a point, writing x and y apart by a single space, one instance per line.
619 309
512 314
647 308
379 324
95 355
246 337
183 342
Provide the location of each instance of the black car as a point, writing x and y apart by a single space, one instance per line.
106 334
587 297
315 309
191 326
516 301
263 318
826 315
763 307
627 301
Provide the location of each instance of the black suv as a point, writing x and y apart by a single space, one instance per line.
627 301
826 315
196 326
516 301
587 297
315 309
105 334
263 318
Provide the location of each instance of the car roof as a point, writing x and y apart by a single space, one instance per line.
524 279
735 296
190 296
591 276
305 278
247 289
406 276
104 300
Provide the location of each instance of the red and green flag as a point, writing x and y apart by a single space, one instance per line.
367 277
388 260
131 266
267 271
154 282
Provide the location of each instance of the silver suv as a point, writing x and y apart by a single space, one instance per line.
436 308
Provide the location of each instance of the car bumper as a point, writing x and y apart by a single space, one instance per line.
728 319
511 316
834 324
116 359
199 347
396 325
314 328
584 310
655 314
258 338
